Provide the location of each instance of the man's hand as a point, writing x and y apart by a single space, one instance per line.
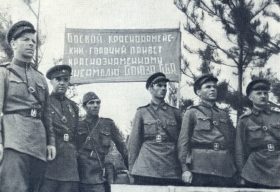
242 181
1 152
187 177
51 152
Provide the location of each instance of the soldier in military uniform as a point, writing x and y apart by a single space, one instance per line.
94 140
152 142
258 140
62 173
27 139
206 141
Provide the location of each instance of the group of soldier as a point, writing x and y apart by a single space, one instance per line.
44 147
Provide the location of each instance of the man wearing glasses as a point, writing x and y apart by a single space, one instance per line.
62 173
94 140
152 142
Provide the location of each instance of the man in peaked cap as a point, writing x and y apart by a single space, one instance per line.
258 140
206 140
153 138
27 139
94 138
62 173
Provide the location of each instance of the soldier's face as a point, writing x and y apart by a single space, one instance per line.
158 90
92 107
60 84
208 91
24 46
259 98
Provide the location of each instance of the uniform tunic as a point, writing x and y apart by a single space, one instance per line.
255 131
92 152
24 134
64 166
204 126
147 156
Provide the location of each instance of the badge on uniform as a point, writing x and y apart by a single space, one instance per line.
158 138
64 120
66 137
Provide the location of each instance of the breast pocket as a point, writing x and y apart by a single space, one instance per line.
255 132
40 91
150 127
17 87
203 124
172 127
106 138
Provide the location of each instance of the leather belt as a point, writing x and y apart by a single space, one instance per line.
35 113
215 146
156 138
268 147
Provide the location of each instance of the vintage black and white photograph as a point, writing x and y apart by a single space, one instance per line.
139 96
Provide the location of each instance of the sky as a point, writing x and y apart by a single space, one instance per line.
119 100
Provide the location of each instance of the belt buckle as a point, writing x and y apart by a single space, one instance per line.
216 146
270 147
33 112
158 138
66 137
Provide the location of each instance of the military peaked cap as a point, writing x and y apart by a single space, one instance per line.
18 29
203 79
257 84
58 71
155 78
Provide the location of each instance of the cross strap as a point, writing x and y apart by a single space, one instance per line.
29 88
260 123
155 116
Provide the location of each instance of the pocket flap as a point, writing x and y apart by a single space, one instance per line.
173 123
107 133
254 128
275 125
203 118
150 122
223 120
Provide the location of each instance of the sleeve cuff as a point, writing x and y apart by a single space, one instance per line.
51 141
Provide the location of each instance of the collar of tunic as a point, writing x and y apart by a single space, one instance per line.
257 111
58 97
20 63
157 106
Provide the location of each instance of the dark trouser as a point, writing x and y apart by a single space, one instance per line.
92 187
257 185
212 180
50 185
142 180
20 172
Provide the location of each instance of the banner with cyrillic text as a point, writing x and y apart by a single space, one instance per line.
129 55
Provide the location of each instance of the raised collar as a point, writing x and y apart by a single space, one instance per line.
91 119
21 64
207 105
58 97
257 111
157 106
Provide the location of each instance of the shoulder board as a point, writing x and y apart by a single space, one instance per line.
247 113
4 64
172 106
106 119
143 106
192 107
